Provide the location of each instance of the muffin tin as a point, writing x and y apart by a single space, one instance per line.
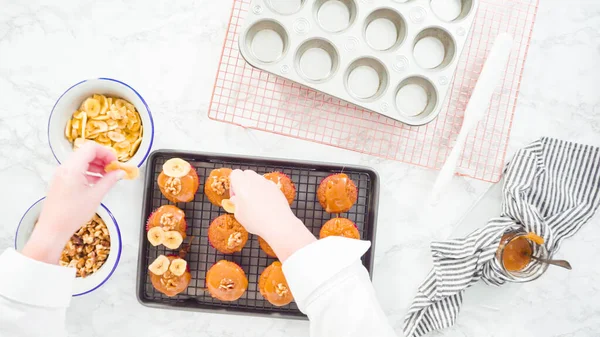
200 213
393 57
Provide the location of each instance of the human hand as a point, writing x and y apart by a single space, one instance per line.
263 210
259 204
72 200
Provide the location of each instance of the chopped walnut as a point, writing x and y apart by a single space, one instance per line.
88 248
234 240
226 284
168 221
220 185
171 283
173 186
169 280
281 289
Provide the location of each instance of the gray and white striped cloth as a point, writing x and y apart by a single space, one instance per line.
552 188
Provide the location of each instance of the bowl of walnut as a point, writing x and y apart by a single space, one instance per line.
106 111
94 250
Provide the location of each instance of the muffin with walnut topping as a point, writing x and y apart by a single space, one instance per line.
166 226
273 285
227 235
178 181
226 281
216 187
169 218
170 274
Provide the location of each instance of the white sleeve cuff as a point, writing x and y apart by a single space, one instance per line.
321 260
35 283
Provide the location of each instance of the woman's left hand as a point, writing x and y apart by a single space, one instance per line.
72 200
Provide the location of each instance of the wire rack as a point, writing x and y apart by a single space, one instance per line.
200 213
255 99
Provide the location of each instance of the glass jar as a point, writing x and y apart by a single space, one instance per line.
514 257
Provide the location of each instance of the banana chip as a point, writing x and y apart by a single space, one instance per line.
91 106
101 118
95 127
107 143
134 147
228 206
113 113
75 127
79 143
116 136
103 138
129 106
131 171
68 131
112 124
78 114
122 123
103 103
83 124
109 121
132 137
122 149
120 103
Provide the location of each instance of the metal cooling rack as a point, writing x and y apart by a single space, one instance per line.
258 100
200 213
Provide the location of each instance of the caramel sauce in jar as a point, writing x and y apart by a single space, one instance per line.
515 250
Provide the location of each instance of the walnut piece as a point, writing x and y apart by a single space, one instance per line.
220 185
169 280
88 249
171 284
281 289
234 240
168 222
226 284
173 186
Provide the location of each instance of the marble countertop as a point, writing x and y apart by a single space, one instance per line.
169 51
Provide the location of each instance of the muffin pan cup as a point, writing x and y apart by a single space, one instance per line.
200 213
411 21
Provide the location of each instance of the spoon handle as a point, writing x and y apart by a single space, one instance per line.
560 263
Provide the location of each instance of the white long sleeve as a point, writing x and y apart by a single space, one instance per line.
329 284
333 289
34 296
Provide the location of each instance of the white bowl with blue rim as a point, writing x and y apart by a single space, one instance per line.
71 100
85 285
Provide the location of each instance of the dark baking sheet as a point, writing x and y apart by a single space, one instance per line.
200 212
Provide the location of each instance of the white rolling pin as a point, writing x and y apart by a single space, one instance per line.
491 74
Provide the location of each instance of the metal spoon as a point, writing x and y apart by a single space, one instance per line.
560 263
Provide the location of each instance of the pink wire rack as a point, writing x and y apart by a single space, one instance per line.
255 99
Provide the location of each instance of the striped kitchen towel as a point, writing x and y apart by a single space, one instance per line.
552 188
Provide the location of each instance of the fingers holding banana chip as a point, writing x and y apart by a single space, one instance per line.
131 172
228 206
109 121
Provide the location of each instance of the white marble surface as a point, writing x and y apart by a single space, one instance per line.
169 50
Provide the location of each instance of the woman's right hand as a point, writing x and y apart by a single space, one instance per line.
263 210
259 204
